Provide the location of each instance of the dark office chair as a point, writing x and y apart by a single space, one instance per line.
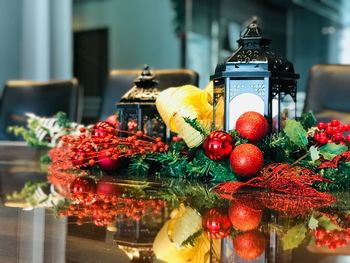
120 81
328 92
40 98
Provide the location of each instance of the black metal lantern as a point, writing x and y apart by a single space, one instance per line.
254 78
137 110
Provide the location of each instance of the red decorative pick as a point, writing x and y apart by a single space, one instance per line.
280 178
336 161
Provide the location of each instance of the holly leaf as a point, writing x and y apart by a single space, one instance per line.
308 120
296 133
314 153
330 150
313 223
294 236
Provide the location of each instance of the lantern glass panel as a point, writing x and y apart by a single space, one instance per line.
152 123
275 113
219 107
288 108
128 119
243 103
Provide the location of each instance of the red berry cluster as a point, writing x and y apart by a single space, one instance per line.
105 209
332 132
102 145
331 238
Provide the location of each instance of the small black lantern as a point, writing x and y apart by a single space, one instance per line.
136 109
254 78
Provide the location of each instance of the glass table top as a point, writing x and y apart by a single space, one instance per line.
118 218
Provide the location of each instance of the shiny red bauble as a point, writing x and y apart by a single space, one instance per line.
106 161
249 245
102 128
83 189
113 119
252 125
246 160
218 145
245 214
216 224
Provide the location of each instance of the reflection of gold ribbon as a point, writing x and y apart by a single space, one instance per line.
174 104
184 222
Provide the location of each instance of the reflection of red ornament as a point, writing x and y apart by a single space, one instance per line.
106 186
246 160
218 145
249 245
132 126
107 161
252 125
245 214
216 224
83 189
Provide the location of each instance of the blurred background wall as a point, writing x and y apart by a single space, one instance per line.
43 39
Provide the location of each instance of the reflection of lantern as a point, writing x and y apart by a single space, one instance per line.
254 78
137 110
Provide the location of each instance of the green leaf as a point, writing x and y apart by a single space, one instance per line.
294 237
308 120
296 133
330 150
314 153
327 223
313 223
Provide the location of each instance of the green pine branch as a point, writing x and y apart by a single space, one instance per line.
196 125
192 239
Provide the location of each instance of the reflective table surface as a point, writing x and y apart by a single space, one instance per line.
117 218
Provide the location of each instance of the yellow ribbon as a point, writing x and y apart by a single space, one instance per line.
174 104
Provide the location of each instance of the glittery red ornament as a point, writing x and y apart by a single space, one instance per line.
249 245
245 214
218 145
246 160
216 224
252 125
83 189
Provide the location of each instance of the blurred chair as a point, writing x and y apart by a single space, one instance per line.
40 98
120 81
328 92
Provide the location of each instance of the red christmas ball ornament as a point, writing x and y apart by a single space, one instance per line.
106 161
102 128
218 145
83 189
216 224
246 160
107 186
252 125
245 214
249 245
113 119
